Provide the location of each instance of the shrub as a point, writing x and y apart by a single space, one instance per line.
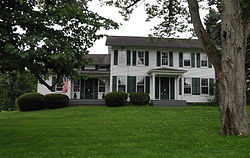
139 98
116 99
52 101
30 101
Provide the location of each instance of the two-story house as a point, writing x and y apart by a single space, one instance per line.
172 69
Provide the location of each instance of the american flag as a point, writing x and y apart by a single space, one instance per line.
65 85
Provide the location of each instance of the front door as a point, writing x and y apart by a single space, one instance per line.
89 90
164 88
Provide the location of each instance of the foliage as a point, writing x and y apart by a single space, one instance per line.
43 36
30 101
139 98
116 99
128 131
54 100
13 84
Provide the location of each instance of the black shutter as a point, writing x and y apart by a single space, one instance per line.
171 60
128 58
158 60
209 64
211 86
147 84
95 90
114 85
115 57
180 59
195 86
157 94
134 58
193 59
146 58
172 89
180 86
198 60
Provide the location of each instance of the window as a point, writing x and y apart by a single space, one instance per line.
204 60
164 58
76 87
140 59
186 58
121 84
102 67
122 58
187 85
204 86
102 85
140 84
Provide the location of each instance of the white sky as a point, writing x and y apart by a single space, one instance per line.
136 26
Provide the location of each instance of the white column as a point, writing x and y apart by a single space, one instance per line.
176 83
153 75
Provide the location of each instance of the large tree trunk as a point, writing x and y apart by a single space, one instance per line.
229 65
232 84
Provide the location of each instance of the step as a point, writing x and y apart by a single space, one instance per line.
82 102
173 103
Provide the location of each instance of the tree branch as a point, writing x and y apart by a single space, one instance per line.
210 48
41 80
132 4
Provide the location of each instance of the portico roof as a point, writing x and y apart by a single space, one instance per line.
166 72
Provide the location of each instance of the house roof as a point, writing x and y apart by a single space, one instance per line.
95 72
99 59
153 42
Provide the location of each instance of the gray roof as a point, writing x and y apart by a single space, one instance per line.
99 59
153 42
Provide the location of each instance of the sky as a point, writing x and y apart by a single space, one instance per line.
136 26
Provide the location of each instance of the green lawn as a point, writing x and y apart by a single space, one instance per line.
94 132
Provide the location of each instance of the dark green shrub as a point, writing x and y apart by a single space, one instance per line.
30 101
139 98
52 101
116 99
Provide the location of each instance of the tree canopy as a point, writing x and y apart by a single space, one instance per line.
45 36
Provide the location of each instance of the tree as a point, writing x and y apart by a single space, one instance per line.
213 27
54 37
229 63
13 84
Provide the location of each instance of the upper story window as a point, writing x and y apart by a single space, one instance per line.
187 85
140 58
140 84
122 58
204 86
164 58
204 60
121 84
76 87
187 59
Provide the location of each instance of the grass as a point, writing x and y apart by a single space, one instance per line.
123 132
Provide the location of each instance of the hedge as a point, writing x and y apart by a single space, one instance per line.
52 101
30 101
116 99
139 98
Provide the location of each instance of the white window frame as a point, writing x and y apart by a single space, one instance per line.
122 79
188 87
76 87
185 54
138 58
139 84
204 56
206 86
167 59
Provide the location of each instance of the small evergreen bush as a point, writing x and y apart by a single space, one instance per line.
116 99
139 98
52 101
30 101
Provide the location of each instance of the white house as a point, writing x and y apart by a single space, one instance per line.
172 69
